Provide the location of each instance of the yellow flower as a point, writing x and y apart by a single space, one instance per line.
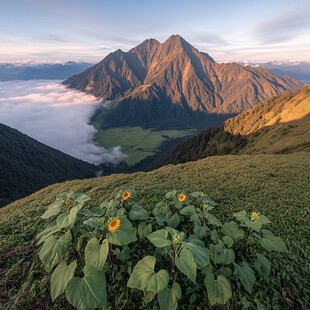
176 239
126 195
254 216
114 224
182 197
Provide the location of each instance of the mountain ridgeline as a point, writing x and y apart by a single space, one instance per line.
27 165
174 85
280 125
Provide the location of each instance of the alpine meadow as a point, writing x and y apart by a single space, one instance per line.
155 155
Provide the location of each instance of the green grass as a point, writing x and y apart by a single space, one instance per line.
275 185
136 142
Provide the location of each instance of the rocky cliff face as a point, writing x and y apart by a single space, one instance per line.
173 83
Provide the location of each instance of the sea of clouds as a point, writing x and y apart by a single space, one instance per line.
54 115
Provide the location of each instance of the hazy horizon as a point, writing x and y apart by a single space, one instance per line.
58 31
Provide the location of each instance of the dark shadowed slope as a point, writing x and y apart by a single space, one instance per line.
27 165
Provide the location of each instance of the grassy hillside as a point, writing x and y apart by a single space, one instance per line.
280 125
276 185
27 165
137 142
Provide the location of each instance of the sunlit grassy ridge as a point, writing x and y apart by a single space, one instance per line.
275 185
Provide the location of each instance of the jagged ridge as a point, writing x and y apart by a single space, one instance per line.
174 84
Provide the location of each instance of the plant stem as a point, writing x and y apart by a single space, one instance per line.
245 250
172 277
76 253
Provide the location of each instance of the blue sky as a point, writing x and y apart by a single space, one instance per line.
229 30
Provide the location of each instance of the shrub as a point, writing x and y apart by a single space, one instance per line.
177 251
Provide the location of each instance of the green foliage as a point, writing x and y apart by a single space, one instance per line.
219 290
137 142
177 248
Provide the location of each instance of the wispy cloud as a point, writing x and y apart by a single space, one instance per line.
56 116
284 28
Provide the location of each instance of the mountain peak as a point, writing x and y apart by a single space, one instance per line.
177 83
176 39
147 44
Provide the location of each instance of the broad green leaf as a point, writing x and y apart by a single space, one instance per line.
159 238
217 248
92 222
88 292
200 255
200 231
86 212
212 220
52 210
96 254
74 211
264 219
214 236
231 229
61 276
148 296
46 233
207 200
143 276
246 276
186 264
168 297
175 232
144 229
138 213
53 250
124 235
225 271
219 290
195 194
256 225
78 197
225 257
172 194
189 210
97 211
63 221
272 243
160 220
229 241
241 216
174 220
262 265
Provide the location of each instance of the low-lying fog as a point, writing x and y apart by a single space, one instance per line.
52 114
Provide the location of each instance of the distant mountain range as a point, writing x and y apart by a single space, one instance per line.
280 125
299 70
9 72
27 165
173 84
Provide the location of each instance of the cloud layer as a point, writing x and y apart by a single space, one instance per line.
56 116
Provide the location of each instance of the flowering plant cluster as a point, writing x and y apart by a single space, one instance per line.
177 251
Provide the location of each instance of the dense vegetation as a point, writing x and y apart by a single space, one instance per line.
90 253
211 142
274 185
27 165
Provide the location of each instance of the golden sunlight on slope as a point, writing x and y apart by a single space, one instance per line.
286 108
